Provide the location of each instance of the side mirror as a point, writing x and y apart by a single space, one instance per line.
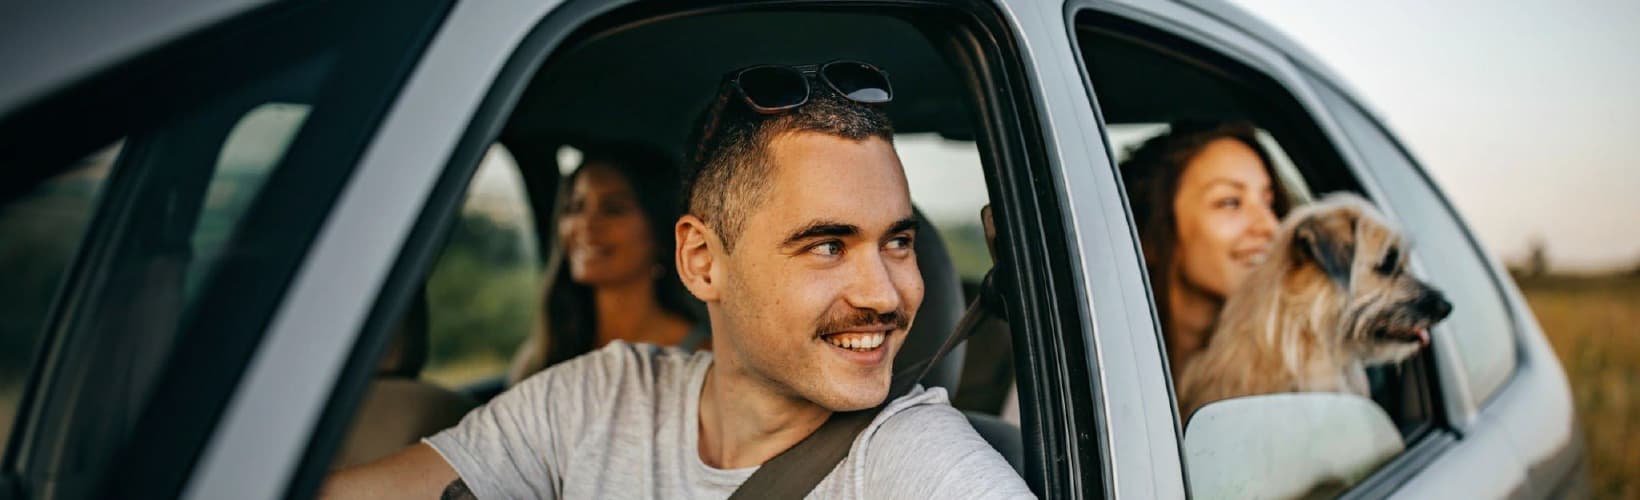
1309 444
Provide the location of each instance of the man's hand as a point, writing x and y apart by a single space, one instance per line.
414 472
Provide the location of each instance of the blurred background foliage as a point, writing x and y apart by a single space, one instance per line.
482 297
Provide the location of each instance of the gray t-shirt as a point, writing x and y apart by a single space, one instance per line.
622 422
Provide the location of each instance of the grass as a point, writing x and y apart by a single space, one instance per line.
1594 325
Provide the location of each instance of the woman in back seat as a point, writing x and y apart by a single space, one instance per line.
1206 204
612 276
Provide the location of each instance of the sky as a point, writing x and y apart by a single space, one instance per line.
1527 113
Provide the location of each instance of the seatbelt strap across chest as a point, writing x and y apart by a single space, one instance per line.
795 472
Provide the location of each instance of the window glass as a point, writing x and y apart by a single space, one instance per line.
485 289
254 146
39 234
948 184
1480 321
234 146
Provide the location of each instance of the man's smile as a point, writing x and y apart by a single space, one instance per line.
860 341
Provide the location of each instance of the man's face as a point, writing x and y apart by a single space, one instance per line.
823 282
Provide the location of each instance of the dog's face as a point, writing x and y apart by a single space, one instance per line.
1386 313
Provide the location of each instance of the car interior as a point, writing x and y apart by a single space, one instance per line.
646 83
1145 79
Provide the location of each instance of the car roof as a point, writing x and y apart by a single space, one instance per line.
48 46
1253 26
655 78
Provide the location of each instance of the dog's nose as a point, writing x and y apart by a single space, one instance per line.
1433 304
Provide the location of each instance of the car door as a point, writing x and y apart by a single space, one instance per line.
165 169
1507 391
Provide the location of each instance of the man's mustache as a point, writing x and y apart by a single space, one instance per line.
864 319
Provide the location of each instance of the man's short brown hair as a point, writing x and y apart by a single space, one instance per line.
728 174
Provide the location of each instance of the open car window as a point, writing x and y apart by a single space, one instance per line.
1149 84
950 140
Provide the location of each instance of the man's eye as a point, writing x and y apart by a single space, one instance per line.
829 248
1228 203
900 243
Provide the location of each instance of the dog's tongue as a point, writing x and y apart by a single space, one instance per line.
1423 336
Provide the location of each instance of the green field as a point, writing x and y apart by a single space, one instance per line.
1594 324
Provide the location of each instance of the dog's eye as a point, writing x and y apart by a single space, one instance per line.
1392 260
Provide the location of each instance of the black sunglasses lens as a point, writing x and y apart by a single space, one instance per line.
859 82
774 87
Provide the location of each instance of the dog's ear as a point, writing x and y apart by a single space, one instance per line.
1330 248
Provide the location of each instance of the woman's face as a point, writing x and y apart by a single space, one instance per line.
605 236
1225 217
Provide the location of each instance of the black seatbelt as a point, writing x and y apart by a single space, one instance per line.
795 472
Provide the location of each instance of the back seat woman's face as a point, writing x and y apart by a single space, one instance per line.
605 236
1224 216
823 282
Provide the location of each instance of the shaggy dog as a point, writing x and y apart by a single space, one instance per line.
1332 297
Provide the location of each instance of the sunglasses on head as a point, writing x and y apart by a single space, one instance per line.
770 89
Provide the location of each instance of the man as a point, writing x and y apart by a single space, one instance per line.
799 238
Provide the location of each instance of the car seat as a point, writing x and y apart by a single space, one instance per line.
399 409
942 308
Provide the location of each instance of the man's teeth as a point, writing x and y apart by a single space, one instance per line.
857 341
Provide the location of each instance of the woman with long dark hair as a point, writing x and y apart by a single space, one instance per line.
1206 201
611 275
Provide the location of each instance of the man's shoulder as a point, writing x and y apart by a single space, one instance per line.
921 446
620 359
922 412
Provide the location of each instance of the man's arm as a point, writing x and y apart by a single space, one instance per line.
414 472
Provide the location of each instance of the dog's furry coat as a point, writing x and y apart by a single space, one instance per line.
1330 298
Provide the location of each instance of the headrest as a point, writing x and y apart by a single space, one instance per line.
407 346
942 308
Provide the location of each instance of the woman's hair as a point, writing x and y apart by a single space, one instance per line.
571 321
1151 174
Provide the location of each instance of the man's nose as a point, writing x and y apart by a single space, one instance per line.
873 286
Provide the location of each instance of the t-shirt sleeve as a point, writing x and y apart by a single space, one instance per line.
930 451
517 445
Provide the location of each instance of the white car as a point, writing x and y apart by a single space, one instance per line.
214 212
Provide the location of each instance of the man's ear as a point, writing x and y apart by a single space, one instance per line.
695 257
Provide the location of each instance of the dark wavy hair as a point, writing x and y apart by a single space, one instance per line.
1151 175
571 321
727 174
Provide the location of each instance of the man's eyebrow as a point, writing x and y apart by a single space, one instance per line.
819 228
906 224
